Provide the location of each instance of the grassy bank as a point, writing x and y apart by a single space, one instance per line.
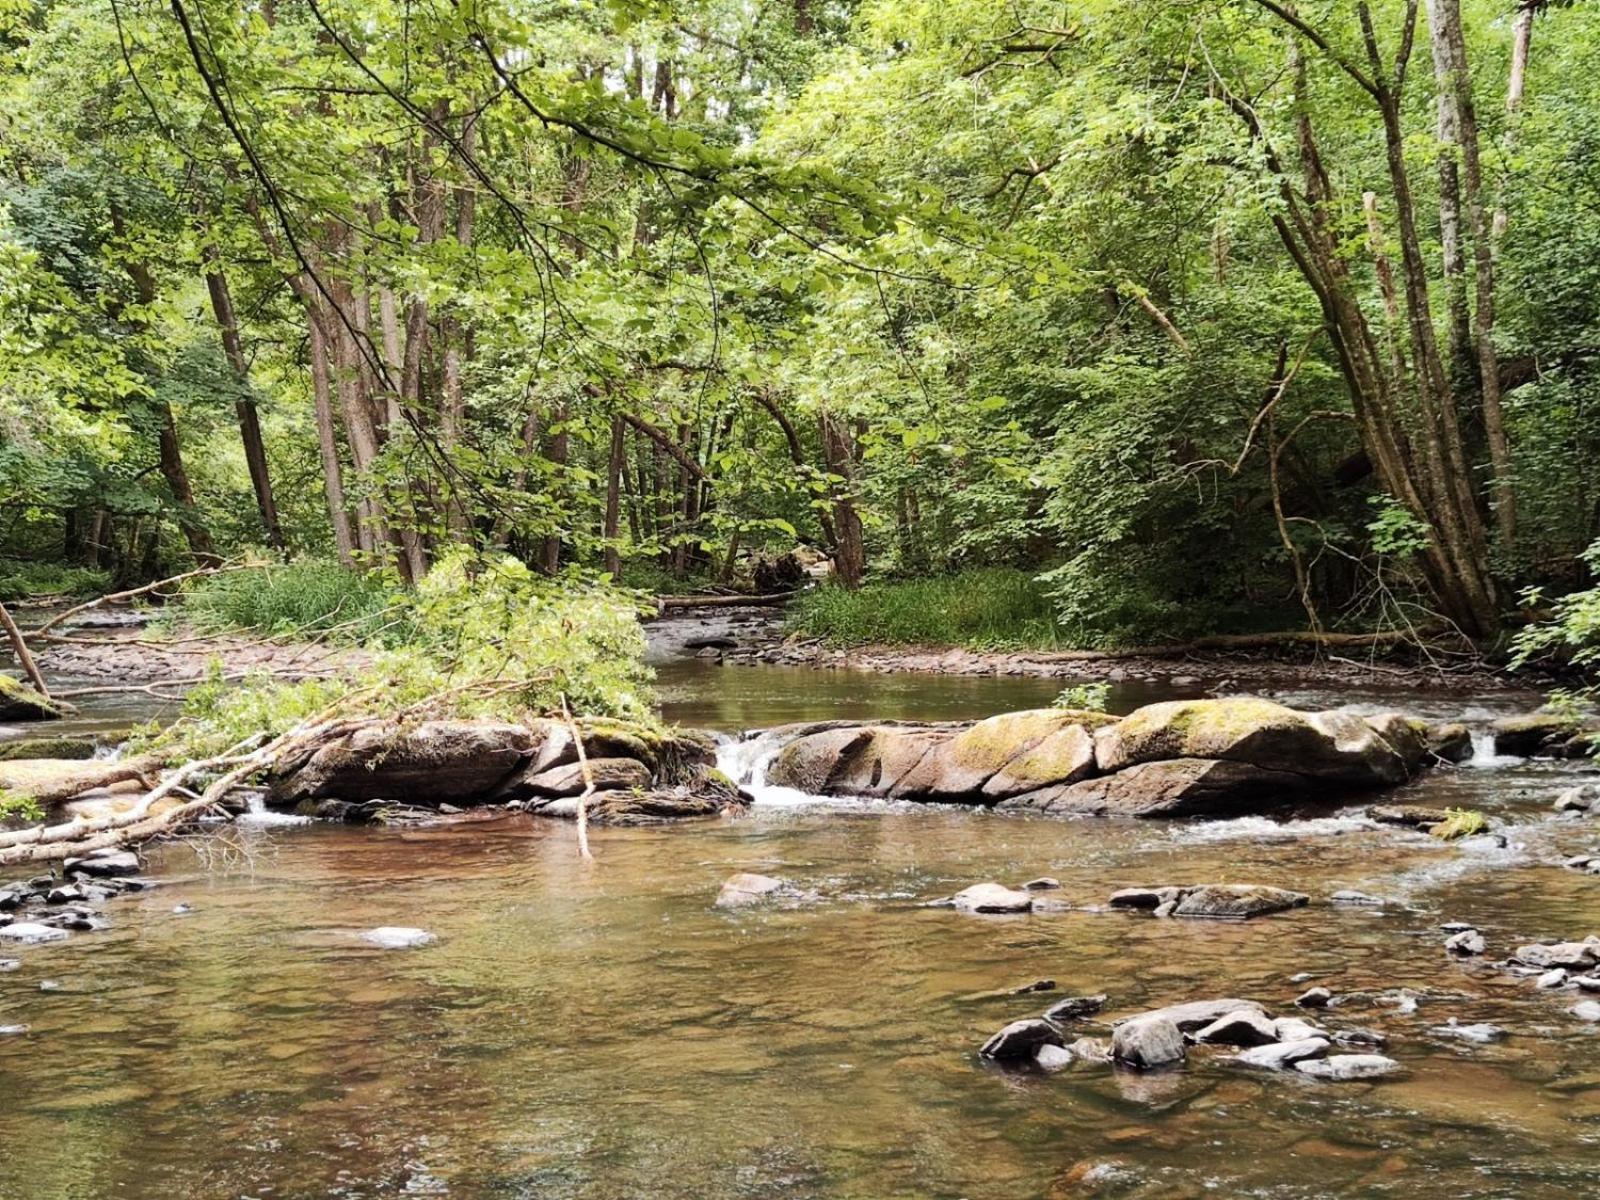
992 608
21 579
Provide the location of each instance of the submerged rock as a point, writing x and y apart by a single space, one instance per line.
1021 1040
1558 954
1352 897
1317 997
992 898
1450 742
1196 1014
104 864
1052 1058
397 937
1075 1007
1043 884
1344 1068
747 888
1586 1010
1581 797
1147 1041
30 933
62 748
1236 901
1480 1032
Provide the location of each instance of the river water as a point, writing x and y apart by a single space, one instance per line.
602 1031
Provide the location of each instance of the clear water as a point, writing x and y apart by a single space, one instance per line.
602 1031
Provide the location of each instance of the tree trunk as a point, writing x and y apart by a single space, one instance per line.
613 521
1516 84
328 444
1459 329
255 450
850 559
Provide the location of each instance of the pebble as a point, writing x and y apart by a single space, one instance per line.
181 909
1052 1058
10 1030
49 985
9 964
1044 883
1074 1007
1553 978
1317 997
992 898
1351 896
1586 1010
1481 1032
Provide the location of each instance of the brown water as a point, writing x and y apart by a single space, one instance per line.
601 1031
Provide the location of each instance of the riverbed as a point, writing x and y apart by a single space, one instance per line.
602 1031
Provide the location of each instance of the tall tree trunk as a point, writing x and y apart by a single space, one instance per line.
850 559
560 446
1516 85
1459 329
255 450
615 463
1448 13
328 445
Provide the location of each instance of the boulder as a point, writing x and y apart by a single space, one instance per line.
1559 954
19 702
1279 1056
1412 816
1196 1014
1180 787
992 898
1584 1010
1343 1068
568 779
1144 897
1582 797
1334 748
1021 1040
1236 901
71 748
1244 1027
104 864
709 794
747 888
1002 756
448 760
1147 1041
1450 742
1545 734
1295 1029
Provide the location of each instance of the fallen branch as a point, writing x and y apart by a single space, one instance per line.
20 649
133 593
772 598
588 781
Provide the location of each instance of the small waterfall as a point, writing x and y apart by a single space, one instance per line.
1483 754
745 761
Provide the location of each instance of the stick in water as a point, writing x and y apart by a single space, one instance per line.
588 781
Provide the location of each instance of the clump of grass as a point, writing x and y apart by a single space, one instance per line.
1084 697
18 806
20 579
1459 823
990 608
308 597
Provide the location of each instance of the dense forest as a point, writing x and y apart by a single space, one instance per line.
1200 316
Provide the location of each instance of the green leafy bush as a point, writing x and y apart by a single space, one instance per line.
20 579
1085 697
483 638
991 607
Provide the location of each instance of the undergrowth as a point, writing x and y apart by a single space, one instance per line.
21 579
301 598
989 608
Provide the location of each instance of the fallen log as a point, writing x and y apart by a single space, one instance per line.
663 603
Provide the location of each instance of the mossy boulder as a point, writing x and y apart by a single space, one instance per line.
19 702
1002 756
1330 748
1546 734
428 763
1450 742
1182 787
48 747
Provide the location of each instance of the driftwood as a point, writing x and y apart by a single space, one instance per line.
133 593
20 648
671 602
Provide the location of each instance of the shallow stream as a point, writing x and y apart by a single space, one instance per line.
601 1031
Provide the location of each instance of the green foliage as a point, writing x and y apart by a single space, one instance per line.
1459 823
300 599
20 580
984 608
17 806
485 638
1087 697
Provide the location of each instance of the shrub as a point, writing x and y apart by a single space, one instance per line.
304 597
20 580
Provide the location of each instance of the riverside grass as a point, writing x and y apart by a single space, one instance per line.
990 608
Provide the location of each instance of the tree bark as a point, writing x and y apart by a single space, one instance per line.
328 445
850 560
255 450
1454 263
613 521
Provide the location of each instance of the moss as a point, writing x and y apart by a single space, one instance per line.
1459 823
47 747
19 702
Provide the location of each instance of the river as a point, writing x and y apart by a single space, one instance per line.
601 1031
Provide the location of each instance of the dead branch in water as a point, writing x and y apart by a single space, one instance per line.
133 593
588 781
774 598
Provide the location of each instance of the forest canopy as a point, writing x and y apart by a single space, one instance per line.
1203 316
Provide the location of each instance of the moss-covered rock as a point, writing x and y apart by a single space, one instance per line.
962 767
1546 734
1331 748
1182 787
19 702
48 747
